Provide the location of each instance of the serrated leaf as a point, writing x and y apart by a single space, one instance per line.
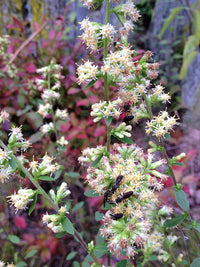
195 263
125 139
173 222
14 239
85 264
31 253
68 226
90 84
71 255
108 120
78 206
21 264
33 204
100 239
171 17
90 193
94 163
181 199
98 216
46 178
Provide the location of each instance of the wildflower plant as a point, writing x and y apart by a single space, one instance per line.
128 178
135 223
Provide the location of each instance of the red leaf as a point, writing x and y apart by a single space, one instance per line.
83 102
30 67
45 255
81 136
73 90
18 24
28 238
20 222
100 131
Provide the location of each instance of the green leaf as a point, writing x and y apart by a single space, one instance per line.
108 120
126 139
100 239
46 178
76 264
197 227
173 222
197 23
107 206
78 206
98 216
153 257
68 226
73 174
21 264
91 193
167 136
90 84
61 234
85 264
172 15
14 239
12 163
31 253
94 163
71 255
98 4
181 199
186 63
195 263
57 174
122 263
33 204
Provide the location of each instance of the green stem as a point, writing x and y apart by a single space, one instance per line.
160 140
48 198
106 75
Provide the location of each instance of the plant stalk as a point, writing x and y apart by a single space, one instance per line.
48 198
106 75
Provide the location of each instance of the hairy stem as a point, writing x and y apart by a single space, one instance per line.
48 198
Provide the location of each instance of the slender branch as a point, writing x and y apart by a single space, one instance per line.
160 140
48 198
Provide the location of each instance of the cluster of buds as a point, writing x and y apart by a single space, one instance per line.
3 264
4 116
44 167
22 198
95 32
86 72
49 86
161 124
9 67
128 179
53 221
16 140
104 110
122 130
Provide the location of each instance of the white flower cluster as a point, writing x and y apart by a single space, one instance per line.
21 199
161 124
104 110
